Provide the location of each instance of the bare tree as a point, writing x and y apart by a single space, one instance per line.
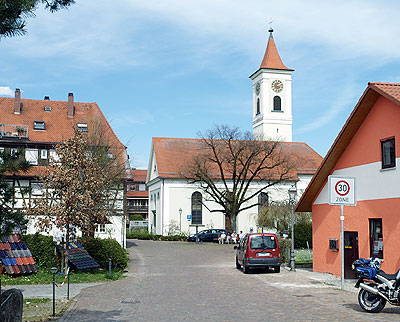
228 162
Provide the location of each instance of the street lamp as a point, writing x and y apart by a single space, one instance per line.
292 200
180 220
54 272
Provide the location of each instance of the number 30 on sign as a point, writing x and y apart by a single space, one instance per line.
341 191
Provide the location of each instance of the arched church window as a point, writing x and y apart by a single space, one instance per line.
196 208
258 106
263 200
277 103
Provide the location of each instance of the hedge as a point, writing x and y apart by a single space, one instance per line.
42 249
103 249
145 235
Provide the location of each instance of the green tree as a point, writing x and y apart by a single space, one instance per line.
276 216
13 13
10 219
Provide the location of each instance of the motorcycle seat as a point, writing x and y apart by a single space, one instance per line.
388 276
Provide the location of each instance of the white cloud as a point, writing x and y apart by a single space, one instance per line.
125 32
346 99
6 91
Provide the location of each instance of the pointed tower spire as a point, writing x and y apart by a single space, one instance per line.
272 60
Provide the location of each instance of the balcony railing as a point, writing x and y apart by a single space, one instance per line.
14 131
138 208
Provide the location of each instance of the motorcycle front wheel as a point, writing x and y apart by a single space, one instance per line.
370 302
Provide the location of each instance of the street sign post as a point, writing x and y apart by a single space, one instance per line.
342 192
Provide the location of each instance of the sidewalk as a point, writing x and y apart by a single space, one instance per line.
307 276
46 290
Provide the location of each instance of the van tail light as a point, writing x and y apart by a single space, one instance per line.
246 260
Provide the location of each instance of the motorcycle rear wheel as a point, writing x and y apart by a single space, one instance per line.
370 302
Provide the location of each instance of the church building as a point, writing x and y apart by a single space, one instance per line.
176 204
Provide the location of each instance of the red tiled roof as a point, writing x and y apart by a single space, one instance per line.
137 194
138 175
272 60
390 91
58 126
174 154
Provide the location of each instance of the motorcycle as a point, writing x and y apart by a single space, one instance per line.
376 287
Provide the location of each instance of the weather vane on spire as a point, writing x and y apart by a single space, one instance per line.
270 26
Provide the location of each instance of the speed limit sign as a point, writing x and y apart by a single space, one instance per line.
341 191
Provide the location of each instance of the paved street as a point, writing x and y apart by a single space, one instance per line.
173 281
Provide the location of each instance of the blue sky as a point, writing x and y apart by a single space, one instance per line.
173 68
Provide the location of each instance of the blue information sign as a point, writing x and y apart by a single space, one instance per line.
189 217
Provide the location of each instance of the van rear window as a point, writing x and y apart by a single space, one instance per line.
263 242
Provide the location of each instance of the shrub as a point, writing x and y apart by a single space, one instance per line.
284 245
302 234
42 249
136 217
103 249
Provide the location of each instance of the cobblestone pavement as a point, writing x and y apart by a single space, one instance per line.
173 281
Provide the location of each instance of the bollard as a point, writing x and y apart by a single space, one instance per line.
54 271
109 267
68 285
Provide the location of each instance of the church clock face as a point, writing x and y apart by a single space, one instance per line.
258 88
277 86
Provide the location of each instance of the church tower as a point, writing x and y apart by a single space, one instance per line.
272 97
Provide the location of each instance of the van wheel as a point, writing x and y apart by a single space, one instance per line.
238 266
245 269
277 269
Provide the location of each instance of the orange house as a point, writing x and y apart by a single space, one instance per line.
368 149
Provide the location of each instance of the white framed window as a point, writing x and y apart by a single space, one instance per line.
1 152
110 155
101 228
39 125
32 156
36 189
82 127
43 154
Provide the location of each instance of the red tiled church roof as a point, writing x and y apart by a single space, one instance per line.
173 155
272 60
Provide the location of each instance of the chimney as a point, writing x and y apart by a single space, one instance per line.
71 110
17 101
47 98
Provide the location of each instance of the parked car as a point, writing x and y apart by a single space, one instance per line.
258 250
208 235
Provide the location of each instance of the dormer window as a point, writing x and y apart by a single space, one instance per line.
82 127
110 155
39 125
47 108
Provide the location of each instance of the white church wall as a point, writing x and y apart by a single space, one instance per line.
177 195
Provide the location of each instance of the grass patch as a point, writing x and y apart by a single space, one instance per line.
44 276
36 310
